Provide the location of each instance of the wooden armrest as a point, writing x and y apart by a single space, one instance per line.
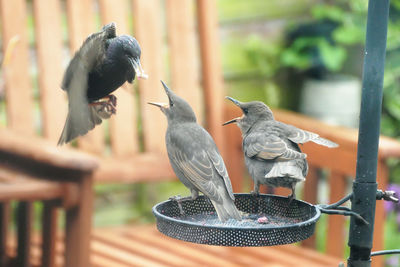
19 186
37 150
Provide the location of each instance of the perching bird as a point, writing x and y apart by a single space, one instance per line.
195 158
102 64
270 147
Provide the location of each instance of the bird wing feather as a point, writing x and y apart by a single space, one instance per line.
199 169
219 165
91 53
300 136
269 146
79 120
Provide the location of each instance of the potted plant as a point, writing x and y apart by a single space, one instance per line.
319 52
321 56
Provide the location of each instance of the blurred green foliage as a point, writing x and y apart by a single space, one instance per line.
118 204
321 41
244 10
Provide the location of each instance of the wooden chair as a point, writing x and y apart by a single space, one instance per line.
128 146
34 170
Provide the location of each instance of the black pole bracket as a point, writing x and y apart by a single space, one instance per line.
336 208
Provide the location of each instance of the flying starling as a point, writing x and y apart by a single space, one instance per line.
270 147
195 158
104 62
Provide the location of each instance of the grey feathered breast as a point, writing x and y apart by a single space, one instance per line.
202 166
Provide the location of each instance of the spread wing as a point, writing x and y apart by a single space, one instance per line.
91 53
81 117
265 145
300 136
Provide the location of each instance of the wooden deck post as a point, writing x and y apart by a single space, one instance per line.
4 220
310 195
49 233
336 223
211 70
24 225
78 226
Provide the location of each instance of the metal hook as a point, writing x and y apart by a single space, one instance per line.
387 195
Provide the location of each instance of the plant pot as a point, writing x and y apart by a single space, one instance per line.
335 100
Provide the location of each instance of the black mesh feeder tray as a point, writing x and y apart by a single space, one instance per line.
267 220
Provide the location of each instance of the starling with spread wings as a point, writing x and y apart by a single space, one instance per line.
195 158
271 148
104 62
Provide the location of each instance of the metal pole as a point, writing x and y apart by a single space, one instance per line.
365 186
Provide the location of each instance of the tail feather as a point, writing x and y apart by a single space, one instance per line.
286 169
226 210
324 142
66 133
75 127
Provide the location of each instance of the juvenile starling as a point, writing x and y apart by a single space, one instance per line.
195 158
270 147
102 64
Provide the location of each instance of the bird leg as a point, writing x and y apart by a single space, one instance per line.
179 201
256 191
108 105
194 193
293 194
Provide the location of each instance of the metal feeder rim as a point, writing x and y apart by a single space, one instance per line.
311 220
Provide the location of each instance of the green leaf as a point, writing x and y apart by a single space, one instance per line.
393 106
332 56
348 35
330 12
290 58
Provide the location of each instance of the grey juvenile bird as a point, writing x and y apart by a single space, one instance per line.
194 157
270 147
102 64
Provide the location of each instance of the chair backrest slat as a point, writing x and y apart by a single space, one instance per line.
184 53
123 128
148 31
80 25
49 49
19 94
212 78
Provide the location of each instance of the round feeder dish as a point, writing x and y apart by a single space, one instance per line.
267 220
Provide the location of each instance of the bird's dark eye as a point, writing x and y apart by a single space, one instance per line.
245 110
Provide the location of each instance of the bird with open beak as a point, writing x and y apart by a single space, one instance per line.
271 151
104 62
195 158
